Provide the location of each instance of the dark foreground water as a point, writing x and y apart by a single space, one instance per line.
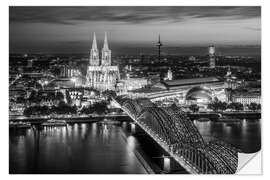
245 135
98 148
78 148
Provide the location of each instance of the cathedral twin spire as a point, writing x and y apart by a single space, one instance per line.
106 53
94 54
94 45
105 45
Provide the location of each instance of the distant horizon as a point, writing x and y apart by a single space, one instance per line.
200 50
86 44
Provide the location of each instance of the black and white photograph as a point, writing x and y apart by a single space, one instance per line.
133 89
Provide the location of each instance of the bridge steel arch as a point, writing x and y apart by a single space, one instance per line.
177 134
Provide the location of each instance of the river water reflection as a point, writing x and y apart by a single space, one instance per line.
78 148
245 135
99 148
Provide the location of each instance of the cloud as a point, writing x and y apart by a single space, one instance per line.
74 15
253 28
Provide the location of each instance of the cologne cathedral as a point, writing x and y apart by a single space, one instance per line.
101 75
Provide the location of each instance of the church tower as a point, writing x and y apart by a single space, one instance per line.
94 56
101 76
212 58
106 53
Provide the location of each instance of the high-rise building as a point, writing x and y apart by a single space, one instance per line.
211 52
29 63
170 74
101 76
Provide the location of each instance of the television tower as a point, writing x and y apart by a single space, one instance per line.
159 44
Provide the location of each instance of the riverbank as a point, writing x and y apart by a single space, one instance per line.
69 118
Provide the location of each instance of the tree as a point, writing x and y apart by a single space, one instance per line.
20 100
68 97
222 106
236 106
254 106
56 71
27 112
173 106
59 96
64 108
194 108
37 110
109 94
217 105
87 110
99 108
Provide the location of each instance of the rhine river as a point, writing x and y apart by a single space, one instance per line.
96 148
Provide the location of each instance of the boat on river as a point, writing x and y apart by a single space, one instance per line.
54 122
203 119
228 119
19 125
109 121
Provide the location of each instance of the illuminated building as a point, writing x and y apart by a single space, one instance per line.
189 83
101 76
179 89
76 97
192 58
211 51
169 75
130 84
30 63
16 108
231 80
246 98
68 72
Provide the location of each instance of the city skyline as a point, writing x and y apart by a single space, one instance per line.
65 29
134 90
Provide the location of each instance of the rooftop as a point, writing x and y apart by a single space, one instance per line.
182 82
174 84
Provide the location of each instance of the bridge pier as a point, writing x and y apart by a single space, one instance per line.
166 164
244 122
124 125
133 127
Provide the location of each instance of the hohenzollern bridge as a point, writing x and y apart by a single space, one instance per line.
176 134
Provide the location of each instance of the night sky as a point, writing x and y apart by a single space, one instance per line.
70 29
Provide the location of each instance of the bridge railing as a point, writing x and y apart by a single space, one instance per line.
197 160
